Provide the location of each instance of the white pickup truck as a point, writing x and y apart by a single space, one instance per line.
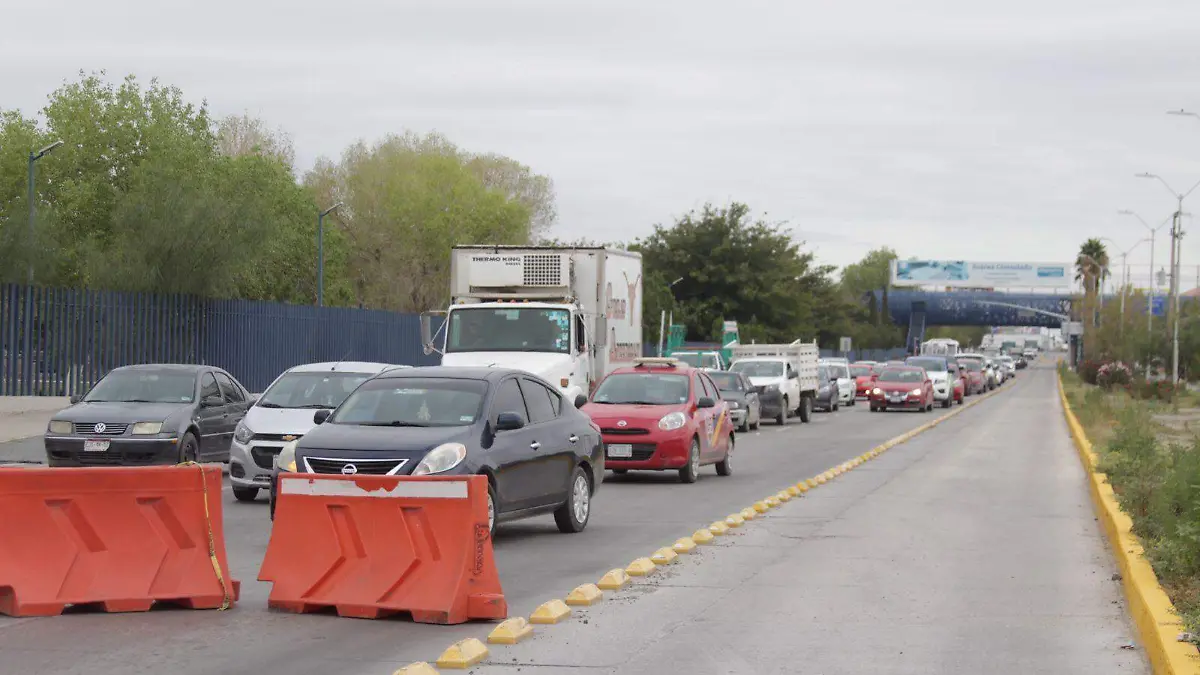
785 377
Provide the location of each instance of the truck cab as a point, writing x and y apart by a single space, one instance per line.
709 360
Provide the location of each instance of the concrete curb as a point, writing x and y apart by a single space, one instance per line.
1152 611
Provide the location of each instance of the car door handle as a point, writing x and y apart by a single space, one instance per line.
573 438
535 445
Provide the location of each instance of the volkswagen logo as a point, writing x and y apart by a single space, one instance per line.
622 423
100 428
349 470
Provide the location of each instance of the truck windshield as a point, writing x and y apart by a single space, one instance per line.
758 368
519 329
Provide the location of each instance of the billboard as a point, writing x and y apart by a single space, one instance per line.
968 274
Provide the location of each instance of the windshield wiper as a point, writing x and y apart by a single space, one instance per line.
314 406
136 400
268 405
641 403
393 423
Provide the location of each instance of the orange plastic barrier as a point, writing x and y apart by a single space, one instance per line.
373 546
118 539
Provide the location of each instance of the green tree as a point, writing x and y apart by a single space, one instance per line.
870 326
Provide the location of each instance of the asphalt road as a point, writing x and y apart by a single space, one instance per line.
632 516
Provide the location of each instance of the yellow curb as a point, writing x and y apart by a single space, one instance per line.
783 496
749 513
735 520
664 556
718 528
585 596
1157 622
418 668
615 579
551 611
795 490
642 567
700 537
511 631
463 654
685 545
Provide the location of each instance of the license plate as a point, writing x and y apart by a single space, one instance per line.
620 450
95 446
897 398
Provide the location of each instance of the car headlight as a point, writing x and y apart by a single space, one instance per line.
60 427
441 459
286 459
242 433
146 428
877 391
916 392
672 421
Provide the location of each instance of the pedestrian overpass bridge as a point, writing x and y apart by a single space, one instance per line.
919 309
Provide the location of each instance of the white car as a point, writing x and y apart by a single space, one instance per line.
840 369
284 413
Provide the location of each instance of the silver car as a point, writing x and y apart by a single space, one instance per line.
284 413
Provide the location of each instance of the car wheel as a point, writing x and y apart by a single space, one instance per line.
781 418
245 494
493 510
806 408
573 515
725 466
852 402
947 403
188 448
960 400
691 471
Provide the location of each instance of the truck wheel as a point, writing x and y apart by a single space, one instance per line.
781 418
806 408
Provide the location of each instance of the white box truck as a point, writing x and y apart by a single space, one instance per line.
785 377
569 315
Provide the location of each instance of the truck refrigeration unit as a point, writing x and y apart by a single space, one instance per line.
569 315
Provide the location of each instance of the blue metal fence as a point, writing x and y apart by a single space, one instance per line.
59 342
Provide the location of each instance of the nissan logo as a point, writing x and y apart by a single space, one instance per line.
349 470
622 423
100 428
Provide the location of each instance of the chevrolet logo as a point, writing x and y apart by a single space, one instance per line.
289 438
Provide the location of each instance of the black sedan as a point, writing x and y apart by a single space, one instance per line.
541 455
745 410
828 394
149 414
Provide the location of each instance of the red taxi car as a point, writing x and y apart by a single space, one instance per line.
864 378
661 414
902 388
975 377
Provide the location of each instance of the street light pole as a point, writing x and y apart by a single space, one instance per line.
1153 285
321 252
32 197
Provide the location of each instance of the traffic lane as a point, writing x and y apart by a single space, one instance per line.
23 451
633 516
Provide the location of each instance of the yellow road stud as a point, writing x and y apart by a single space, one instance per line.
614 580
585 596
761 507
664 556
642 567
551 611
685 545
784 496
463 654
772 501
700 537
796 490
735 520
821 479
418 668
811 482
510 631
718 528
749 513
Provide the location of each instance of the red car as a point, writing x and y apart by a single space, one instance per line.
864 378
976 378
661 414
903 388
958 378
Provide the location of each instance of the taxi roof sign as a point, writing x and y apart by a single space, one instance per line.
664 361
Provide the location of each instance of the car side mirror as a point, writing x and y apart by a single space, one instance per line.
212 402
705 402
320 416
580 400
76 399
509 421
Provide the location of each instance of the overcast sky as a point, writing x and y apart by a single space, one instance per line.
968 130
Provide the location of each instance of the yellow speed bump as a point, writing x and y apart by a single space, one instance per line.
510 631
718 528
463 654
784 496
821 479
795 490
803 486
735 520
772 501
685 545
551 611
585 596
615 580
749 513
664 556
418 668
642 567
811 483
700 537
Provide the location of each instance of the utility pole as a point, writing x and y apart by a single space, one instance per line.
34 156
321 252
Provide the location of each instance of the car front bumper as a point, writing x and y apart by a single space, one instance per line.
942 391
121 451
666 450
908 403
770 403
251 465
738 416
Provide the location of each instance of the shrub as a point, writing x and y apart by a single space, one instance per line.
1088 370
1115 374
1154 390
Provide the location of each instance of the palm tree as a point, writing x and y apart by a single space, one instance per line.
1091 266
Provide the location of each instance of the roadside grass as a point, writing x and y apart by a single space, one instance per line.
1153 464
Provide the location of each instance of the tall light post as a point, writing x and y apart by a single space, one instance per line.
321 252
33 157
1176 250
1153 286
1125 274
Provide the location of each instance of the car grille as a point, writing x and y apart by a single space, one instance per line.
264 456
374 467
107 429
277 438
624 431
641 453
107 458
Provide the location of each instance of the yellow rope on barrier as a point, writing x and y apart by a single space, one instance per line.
227 594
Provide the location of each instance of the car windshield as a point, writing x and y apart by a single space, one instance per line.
145 386
929 364
758 368
642 388
727 381
518 329
839 371
973 366
311 390
898 375
413 402
861 371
